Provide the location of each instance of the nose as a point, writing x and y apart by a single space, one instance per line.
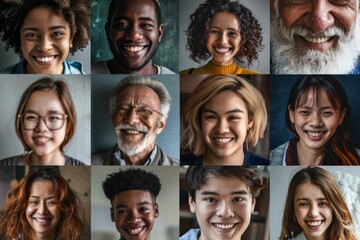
224 210
314 211
320 17
132 117
134 33
42 209
222 126
316 120
224 38
41 126
44 44
133 217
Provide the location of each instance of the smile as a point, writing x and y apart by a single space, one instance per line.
314 223
42 220
42 139
317 40
135 231
134 49
222 140
132 132
45 59
222 50
224 226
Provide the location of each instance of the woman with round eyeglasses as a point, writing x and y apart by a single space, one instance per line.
45 122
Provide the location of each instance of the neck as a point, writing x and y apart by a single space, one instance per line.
45 236
56 158
139 158
309 156
116 68
235 159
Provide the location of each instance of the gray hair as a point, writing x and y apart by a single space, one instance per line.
146 81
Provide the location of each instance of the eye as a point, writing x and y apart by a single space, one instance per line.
51 203
54 117
234 118
122 212
31 36
239 199
233 34
30 117
322 204
33 202
328 113
143 210
147 26
144 111
210 200
58 34
304 112
121 25
303 204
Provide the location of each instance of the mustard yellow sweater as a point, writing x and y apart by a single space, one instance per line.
211 68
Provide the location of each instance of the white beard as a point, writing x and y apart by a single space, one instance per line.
131 149
287 58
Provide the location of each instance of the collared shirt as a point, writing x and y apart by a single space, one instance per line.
122 162
73 67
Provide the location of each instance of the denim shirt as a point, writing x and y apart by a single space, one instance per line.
73 67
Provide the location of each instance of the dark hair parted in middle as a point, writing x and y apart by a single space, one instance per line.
131 179
196 176
250 30
338 150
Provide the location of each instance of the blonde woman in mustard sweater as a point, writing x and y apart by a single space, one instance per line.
225 31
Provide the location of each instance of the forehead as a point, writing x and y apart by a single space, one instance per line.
139 94
225 99
225 19
134 8
315 97
308 190
224 185
42 185
43 15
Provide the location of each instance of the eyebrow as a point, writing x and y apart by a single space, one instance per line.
242 192
229 28
228 112
50 28
32 111
140 18
139 204
306 199
321 108
37 197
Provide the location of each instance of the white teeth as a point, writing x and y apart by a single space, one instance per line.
222 50
223 140
132 132
314 223
135 231
134 48
41 220
315 134
42 139
45 59
224 226
317 39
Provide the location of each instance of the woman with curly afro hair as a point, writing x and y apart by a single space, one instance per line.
224 31
43 33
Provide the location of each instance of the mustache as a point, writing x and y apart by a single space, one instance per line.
332 31
139 128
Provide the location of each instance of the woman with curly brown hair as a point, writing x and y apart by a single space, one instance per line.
43 33
225 31
42 206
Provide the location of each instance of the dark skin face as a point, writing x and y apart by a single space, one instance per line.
133 35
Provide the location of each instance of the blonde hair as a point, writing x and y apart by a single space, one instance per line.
207 89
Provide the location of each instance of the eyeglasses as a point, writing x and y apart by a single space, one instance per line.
53 121
141 111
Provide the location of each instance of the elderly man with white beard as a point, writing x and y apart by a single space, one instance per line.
138 107
315 37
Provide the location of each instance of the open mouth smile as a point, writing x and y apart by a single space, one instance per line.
222 50
47 59
135 231
42 139
224 226
42 220
222 140
317 40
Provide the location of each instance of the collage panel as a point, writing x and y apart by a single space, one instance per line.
46 119
314 201
45 202
233 35
126 130
319 115
142 208
134 36
225 119
224 202
45 37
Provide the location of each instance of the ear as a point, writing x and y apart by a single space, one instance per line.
112 214
156 210
253 205
161 32
342 115
291 114
191 204
161 126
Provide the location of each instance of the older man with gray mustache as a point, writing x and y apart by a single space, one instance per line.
139 108
315 37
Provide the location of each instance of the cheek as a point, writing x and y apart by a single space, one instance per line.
290 16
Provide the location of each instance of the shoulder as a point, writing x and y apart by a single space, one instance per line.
245 71
12 161
191 159
277 154
163 159
103 158
69 161
253 159
99 68
187 71
356 70
17 68
165 70
192 234
74 67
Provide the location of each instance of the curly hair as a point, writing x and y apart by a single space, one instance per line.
76 13
13 222
192 139
60 88
250 31
196 176
131 179
341 226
